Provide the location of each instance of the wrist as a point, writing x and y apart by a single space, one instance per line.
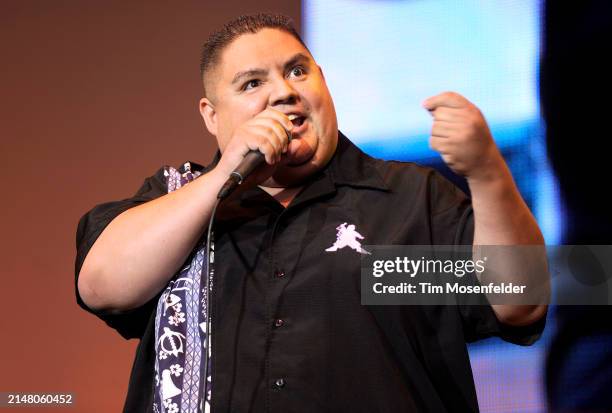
222 170
492 169
219 175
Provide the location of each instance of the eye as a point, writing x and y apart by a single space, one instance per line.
297 71
253 83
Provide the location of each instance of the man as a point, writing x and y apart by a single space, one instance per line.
288 330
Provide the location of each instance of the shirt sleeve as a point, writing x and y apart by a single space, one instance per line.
129 324
452 221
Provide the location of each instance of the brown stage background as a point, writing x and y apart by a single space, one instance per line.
95 96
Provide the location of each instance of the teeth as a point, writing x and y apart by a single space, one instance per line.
292 117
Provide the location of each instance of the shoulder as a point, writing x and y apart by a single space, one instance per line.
401 175
408 183
392 171
351 165
168 178
153 186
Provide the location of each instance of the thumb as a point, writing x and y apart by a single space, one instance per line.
428 104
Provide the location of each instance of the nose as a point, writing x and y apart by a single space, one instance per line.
283 93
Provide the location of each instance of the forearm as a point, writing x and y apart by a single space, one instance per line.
462 137
501 217
142 248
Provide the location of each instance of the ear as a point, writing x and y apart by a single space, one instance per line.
209 114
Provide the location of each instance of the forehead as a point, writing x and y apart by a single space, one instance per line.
265 49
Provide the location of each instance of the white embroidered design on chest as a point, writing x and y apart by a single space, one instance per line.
346 236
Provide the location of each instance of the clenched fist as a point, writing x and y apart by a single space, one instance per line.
462 137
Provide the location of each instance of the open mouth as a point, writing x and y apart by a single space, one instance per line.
297 120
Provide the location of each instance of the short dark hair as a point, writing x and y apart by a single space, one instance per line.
219 40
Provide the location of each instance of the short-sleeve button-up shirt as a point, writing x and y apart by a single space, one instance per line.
289 331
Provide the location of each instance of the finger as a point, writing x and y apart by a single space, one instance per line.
282 137
448 114
261 144
281 122
264 141
443 129
438 144
269 151
275 133
276 128
446 99
279 117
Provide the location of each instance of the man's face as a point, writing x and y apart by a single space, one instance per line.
273 69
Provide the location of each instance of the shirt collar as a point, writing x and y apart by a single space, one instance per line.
351 166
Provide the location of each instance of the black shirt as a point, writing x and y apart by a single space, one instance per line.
289 332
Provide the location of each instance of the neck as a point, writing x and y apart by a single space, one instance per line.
283 195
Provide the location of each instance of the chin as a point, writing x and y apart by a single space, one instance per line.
287 176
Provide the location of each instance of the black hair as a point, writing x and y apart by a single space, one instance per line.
219 40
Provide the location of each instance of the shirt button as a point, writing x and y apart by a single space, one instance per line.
279 273
279 383
278 322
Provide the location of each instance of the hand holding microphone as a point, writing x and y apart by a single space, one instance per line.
263 138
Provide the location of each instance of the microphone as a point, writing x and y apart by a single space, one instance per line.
249 163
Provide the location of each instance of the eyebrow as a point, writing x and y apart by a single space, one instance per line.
298 57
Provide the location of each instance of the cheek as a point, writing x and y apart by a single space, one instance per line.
320 102
326 125
252 106
326 116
